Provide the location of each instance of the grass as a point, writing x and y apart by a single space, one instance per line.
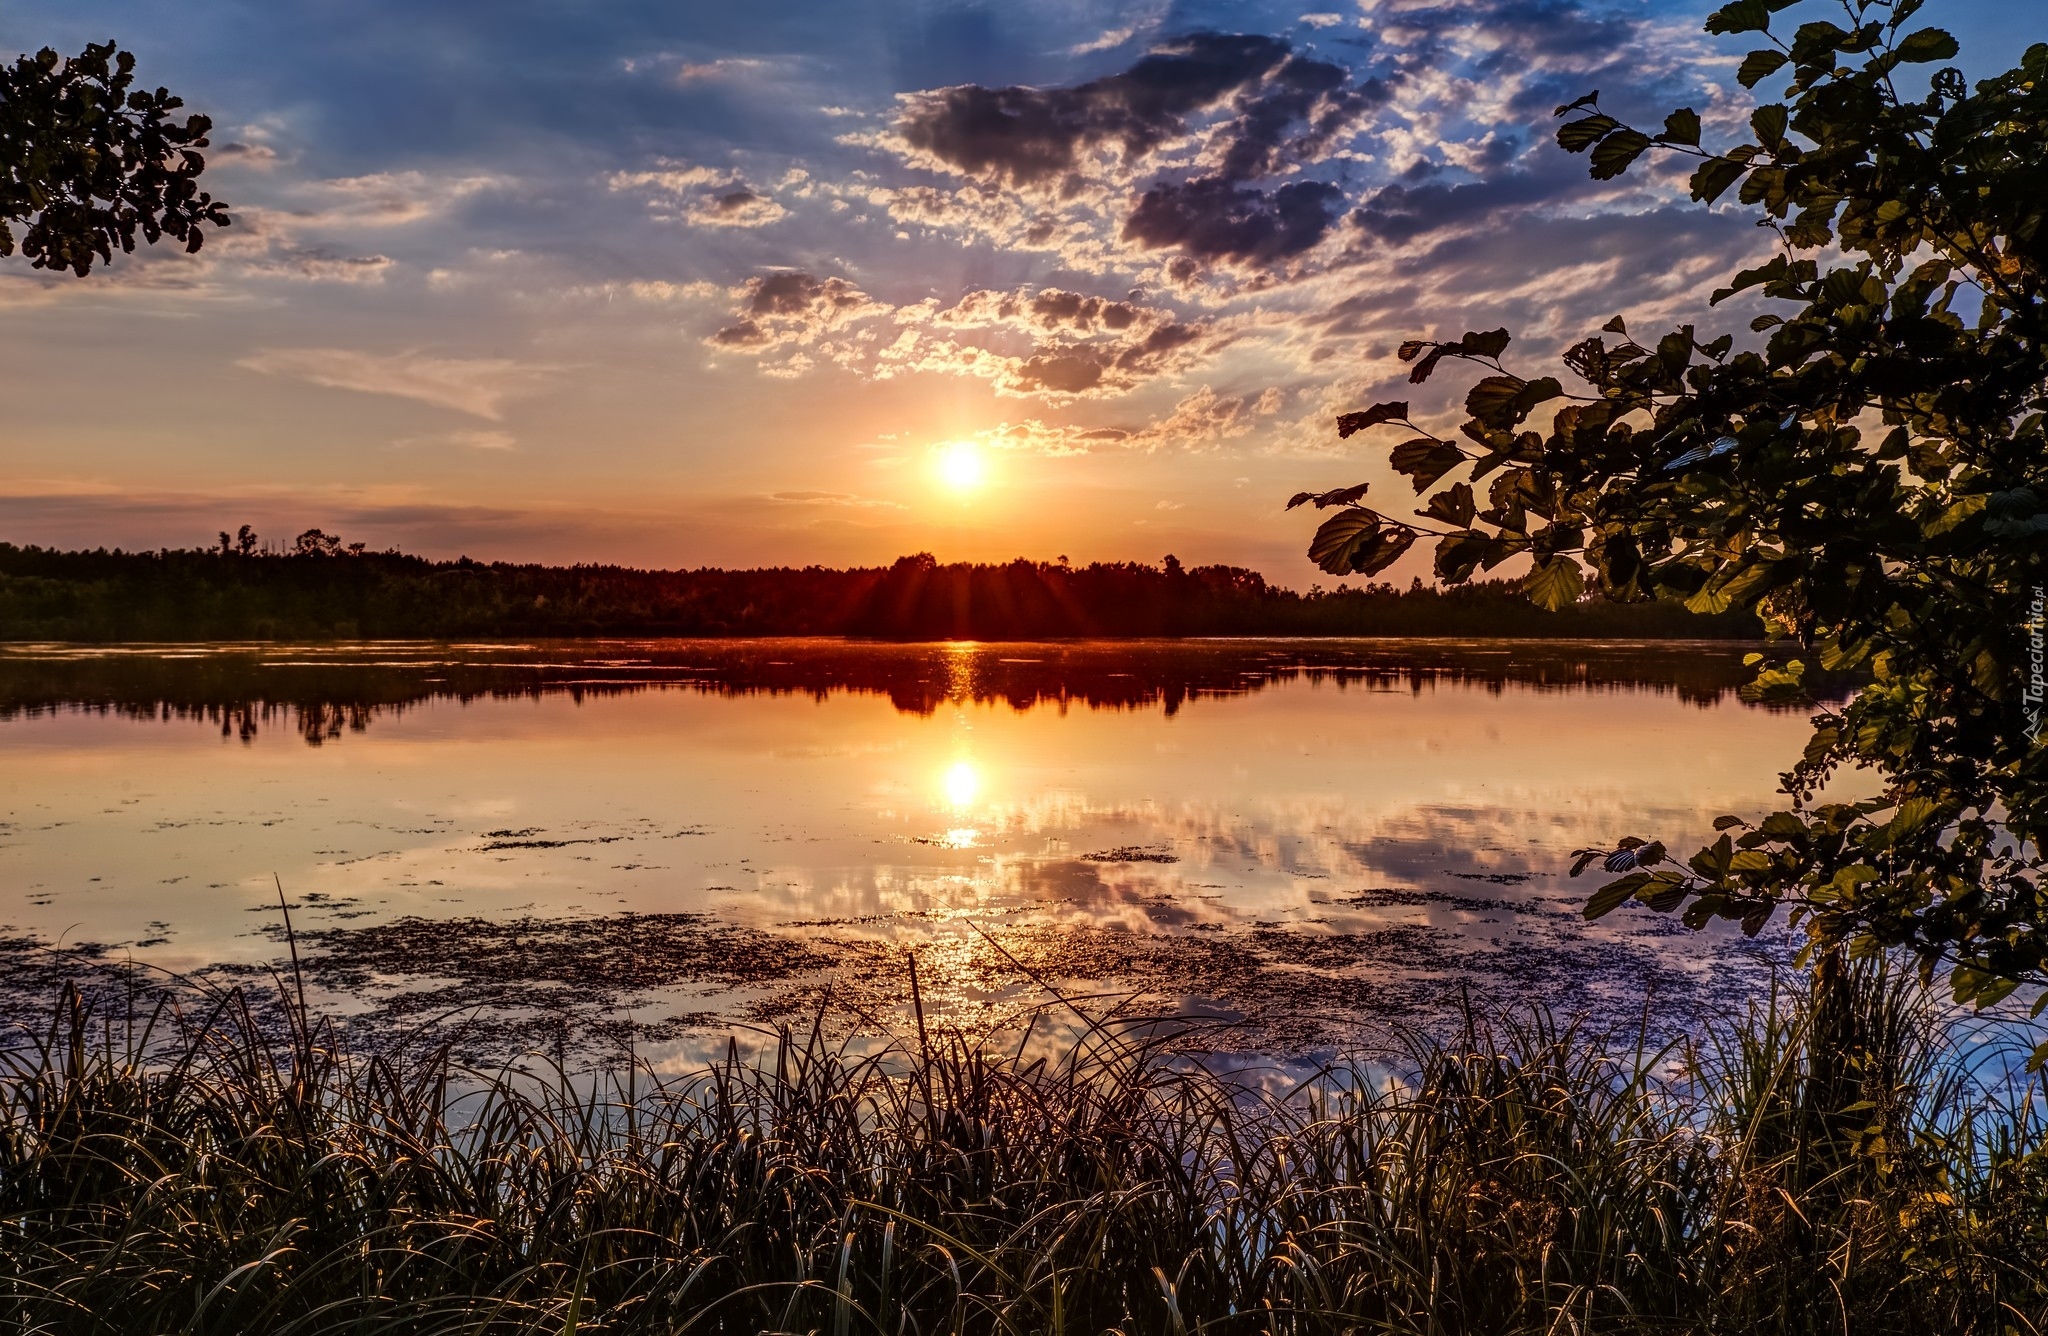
1820 1165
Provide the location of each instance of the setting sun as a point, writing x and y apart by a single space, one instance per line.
961 466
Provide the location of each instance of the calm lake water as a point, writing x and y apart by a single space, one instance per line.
1298 844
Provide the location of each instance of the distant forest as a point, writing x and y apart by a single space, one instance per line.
320 589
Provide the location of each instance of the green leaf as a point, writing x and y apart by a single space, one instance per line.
1614 153
1925 45
1425 460
1350 424
1682 127
1758 66
1768 122
1556 582
1711 179
1615 894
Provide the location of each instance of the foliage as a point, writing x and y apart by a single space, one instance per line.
1872 479
87 161
319 587
1812 1173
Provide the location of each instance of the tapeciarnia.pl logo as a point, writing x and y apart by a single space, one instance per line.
2037 662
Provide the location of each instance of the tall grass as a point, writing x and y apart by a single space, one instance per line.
1817 1166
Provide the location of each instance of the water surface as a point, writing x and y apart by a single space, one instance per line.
1300 843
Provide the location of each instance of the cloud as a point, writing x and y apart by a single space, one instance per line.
793 308
385 199
319 264
707 196
1210 218
1217 113
1030 135
737 207
1200 420
463 439
476 386
832 499
1109 41
1047 342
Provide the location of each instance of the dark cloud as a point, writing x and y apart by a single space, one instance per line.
1400 213
742 334
1213 218
1032 135
1281 110
796 293
1079 368
791 307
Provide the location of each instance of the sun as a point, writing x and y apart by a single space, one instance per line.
961 466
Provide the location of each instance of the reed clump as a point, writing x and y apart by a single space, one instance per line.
1821 1165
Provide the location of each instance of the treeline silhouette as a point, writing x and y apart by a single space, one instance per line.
323 693
320 589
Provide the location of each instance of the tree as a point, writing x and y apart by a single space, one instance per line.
1870 476
86 161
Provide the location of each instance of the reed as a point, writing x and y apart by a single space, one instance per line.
1819 1165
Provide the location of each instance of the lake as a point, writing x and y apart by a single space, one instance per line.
1288 846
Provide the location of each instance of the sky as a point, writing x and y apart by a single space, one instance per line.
677 283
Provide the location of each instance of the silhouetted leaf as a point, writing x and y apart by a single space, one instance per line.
1382 552
1758 66
1342 496
1713 177
1351 423
1492 400
1741 16
1485 343
1454 506
1927 44
1346 545
1612 155
1580 135
1425 460
1682 127
1300 499
1459 554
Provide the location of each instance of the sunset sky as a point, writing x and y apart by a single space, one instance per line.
682 283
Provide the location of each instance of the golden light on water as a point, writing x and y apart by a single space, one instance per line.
961 466
962 784
959 786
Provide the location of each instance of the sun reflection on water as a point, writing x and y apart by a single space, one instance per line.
962 784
